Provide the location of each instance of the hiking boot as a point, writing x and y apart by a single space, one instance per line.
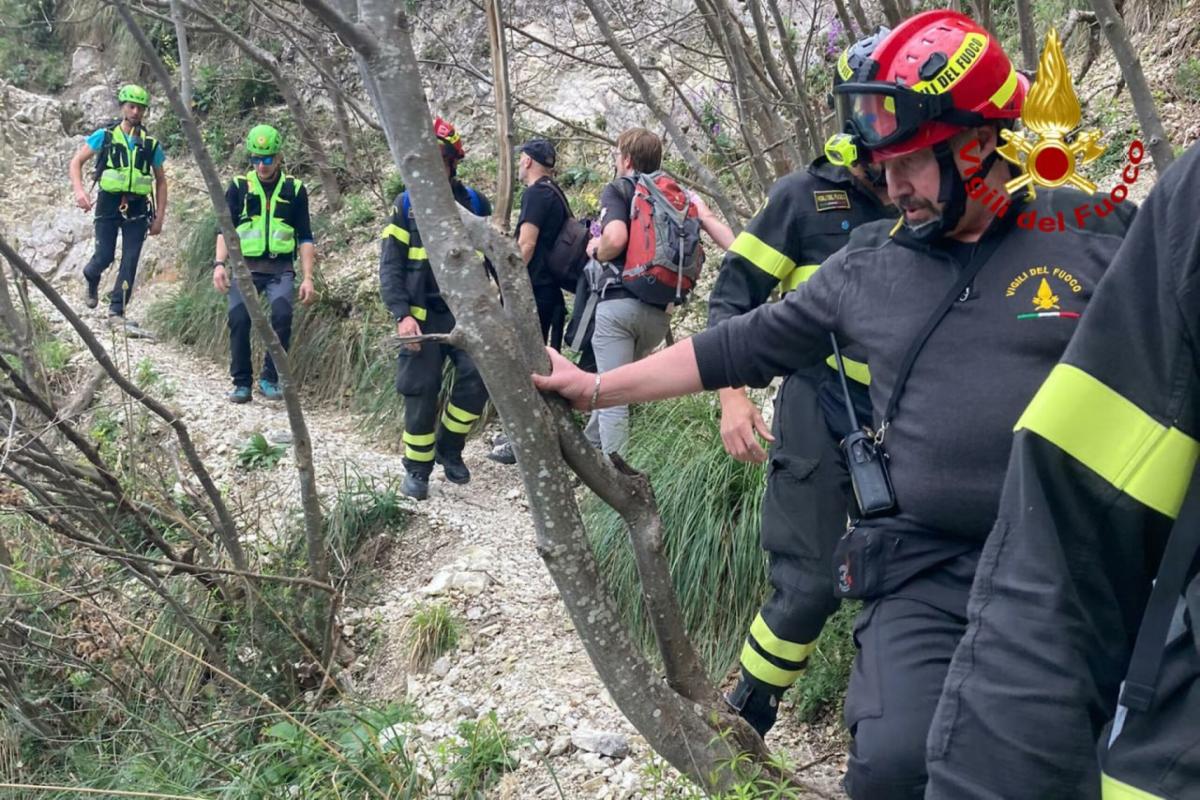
416 485
239 395
269 390
456 471
754 704
91 292
503 453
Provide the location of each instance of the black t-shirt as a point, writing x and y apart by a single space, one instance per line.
542 206
614 207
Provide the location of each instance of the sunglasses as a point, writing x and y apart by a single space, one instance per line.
266 161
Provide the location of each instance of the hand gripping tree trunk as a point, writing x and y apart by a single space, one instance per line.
686 726
1135 78
310 502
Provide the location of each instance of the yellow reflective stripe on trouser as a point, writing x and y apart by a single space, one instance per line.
456 420
1112 437
397 233
1113 789
418 313
758 667
780 648
417 254
798 276
762 255
855 370
413 441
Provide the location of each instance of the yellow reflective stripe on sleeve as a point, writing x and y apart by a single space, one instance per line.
762 255
417 254
459 414
1113 789
765 671
855 370
1005 92
454 426
1112 437
419 439
781 648
418 313
799 275
418 455
397 233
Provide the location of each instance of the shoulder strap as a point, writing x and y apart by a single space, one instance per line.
851 414
1137 693
983 251
405 205
561 196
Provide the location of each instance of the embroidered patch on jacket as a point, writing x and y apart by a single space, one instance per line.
832 200
1044 287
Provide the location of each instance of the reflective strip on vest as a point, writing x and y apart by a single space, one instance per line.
116 179
758 667
780 648
1112 437
1113 789
762 255
397 233
855 370
798 276
252 234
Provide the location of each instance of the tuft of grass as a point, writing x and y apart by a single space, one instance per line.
486 753
54 354
431 631
710 510
258 453
1187 79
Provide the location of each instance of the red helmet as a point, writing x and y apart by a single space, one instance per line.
449 140
936 74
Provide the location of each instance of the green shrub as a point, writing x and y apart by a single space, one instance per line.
431 632
710 511
1187 78
32 56
258 453
485 754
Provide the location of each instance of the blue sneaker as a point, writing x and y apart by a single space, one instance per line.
240 394
269 390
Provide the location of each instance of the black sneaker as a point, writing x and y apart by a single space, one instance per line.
456 471
91 292
416 485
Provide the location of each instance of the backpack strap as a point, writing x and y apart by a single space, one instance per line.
561 196
405 205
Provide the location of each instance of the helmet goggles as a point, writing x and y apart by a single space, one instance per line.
883 114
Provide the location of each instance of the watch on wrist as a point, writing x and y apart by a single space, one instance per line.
218 264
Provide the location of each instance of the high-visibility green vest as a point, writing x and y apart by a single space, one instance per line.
267 232
127 169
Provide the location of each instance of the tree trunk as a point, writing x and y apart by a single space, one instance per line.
1026 25
844 17
860 17
804 111
301 441
1135 78
504 116
185 61
891 11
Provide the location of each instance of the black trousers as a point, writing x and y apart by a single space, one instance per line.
552 314
278 288
133 236
419 378
804 513
905 641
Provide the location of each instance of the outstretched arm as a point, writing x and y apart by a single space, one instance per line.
668 373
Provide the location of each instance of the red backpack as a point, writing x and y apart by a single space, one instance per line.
663 257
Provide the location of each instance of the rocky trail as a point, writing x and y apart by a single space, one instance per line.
470 546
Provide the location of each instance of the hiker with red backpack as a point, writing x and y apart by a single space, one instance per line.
646 260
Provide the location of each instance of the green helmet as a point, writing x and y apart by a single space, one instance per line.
132 93
263 140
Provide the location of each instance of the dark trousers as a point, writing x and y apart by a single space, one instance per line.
905 641
804 513
552 314
419 379
278 288
133 235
